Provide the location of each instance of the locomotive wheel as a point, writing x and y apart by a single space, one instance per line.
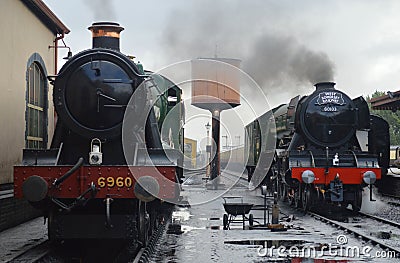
143 226
225 221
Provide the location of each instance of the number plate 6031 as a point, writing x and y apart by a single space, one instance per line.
114 182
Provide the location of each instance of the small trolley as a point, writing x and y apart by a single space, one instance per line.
234 209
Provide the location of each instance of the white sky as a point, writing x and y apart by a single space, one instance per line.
360 37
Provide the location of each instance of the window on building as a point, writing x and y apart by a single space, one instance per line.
36 108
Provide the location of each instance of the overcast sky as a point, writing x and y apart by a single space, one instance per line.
286 46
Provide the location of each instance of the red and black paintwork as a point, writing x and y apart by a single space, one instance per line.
82 197
81 180
328 147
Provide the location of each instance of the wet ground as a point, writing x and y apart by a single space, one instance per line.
204 240
15 240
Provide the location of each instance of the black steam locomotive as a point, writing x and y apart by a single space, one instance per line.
110 172
324 147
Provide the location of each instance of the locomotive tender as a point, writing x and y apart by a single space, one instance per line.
86 185
320 148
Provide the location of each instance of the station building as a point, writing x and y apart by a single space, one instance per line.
389 101
31 35
190 152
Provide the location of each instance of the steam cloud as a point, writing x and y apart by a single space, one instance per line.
103 10
264 42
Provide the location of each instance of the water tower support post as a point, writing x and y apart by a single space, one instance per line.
215 170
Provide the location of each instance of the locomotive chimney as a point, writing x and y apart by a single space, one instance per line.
325 85
106 35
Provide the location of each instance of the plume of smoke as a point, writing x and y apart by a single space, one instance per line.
273 57
275 60
103 10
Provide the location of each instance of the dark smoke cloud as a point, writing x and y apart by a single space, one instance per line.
103 10
258 33
276 59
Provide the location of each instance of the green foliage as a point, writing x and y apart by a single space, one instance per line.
393 118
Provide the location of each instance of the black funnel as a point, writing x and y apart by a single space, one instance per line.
106 35
325 85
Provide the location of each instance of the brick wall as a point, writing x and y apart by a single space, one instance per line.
15 211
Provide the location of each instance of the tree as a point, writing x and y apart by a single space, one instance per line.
393 118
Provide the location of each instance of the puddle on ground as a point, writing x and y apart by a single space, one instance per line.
181 215
186 228
269 243
209 219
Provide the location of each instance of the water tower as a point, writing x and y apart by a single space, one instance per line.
215 87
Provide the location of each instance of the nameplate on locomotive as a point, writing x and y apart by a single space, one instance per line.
329 100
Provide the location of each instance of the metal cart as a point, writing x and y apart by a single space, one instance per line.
234 209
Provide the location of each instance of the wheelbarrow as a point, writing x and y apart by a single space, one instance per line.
234 209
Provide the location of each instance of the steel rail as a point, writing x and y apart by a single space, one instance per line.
365 237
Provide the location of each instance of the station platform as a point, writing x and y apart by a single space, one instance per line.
203 238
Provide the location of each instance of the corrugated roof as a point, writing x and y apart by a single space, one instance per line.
390 101
49 19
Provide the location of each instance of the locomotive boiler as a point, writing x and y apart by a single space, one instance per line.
110 172
321 148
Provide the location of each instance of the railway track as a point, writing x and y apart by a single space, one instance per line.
44 252
393 203
363 228
356 233
395 197
391 196
146 254
380 219
38 253
238 180
194 177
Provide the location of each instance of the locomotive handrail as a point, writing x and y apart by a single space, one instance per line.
312 158
355 157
